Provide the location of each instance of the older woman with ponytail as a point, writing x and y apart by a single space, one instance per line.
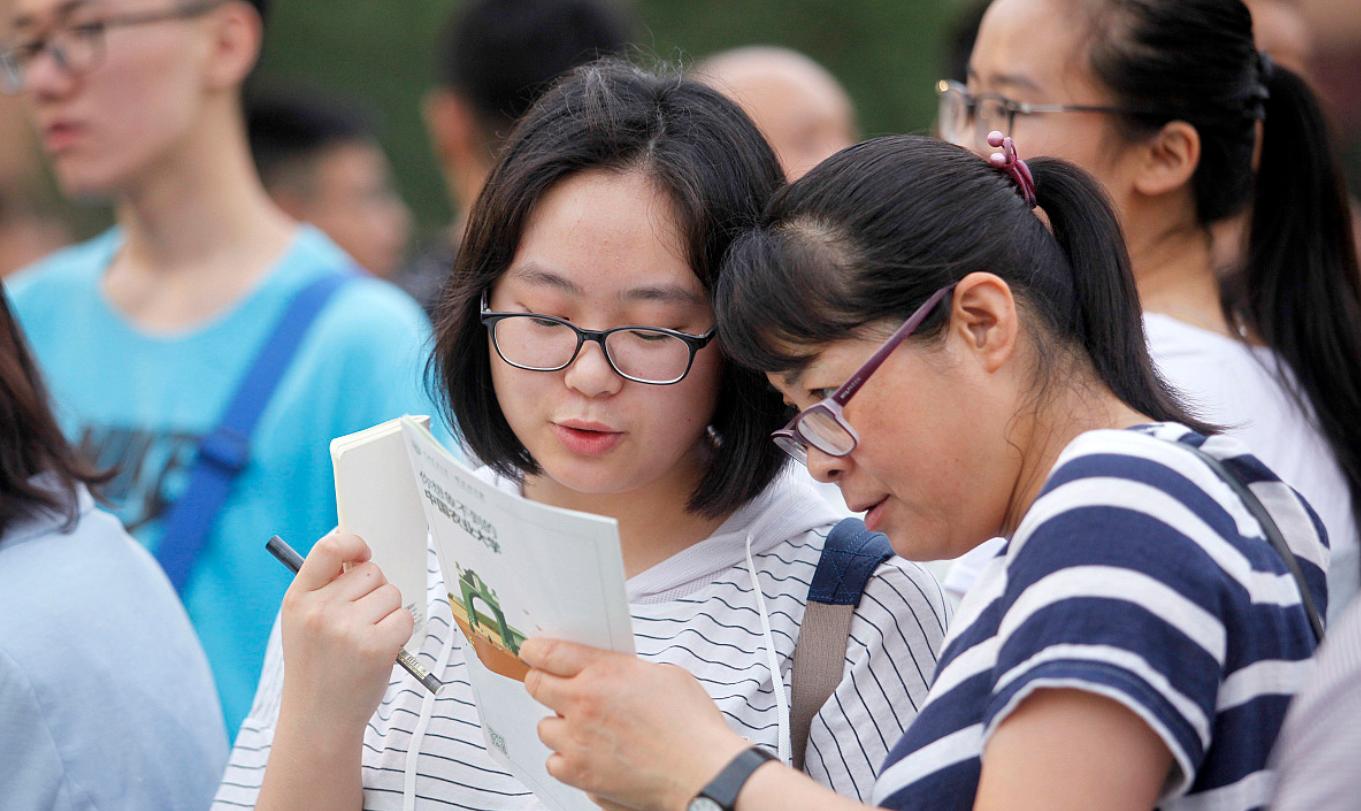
967 369
1171 107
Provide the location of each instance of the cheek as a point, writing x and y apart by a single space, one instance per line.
144 102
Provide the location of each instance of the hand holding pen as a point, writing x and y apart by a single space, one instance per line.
343 626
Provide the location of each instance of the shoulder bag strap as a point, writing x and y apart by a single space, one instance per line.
849 557
225 451
1272 531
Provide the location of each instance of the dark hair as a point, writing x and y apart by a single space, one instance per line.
262 8
31 444
1299 287
502 54
874 230
288 129
718 172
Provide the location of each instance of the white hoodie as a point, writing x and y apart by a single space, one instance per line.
699 610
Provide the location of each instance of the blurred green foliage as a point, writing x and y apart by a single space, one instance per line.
888 54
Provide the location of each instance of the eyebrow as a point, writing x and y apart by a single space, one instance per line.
1009 79
28 20
663 293
546 278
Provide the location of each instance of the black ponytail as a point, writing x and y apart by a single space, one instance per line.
1109 322
1300 289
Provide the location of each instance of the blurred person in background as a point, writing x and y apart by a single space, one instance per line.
28 230
106 697
321 162
493 60
798 105
1271 351
163 340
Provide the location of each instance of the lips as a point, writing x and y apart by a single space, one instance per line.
61 135
874 513
584 438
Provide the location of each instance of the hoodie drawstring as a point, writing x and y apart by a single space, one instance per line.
413 747
772 660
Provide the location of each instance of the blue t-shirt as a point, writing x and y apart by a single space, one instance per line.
1137 575
106 700
142 401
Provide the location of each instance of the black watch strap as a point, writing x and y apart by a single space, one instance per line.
724 788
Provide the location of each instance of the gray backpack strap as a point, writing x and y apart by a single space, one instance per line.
849 558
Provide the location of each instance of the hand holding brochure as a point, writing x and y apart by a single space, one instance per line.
513 569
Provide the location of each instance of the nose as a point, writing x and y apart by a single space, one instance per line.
591 373
827 468
47 74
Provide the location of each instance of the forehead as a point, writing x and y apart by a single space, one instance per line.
605 231
1005 57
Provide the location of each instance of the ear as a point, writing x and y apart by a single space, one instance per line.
1168 160
451 124
984 323
237 37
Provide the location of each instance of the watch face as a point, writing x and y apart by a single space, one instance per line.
703 804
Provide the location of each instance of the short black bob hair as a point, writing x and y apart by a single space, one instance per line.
718 172
870 233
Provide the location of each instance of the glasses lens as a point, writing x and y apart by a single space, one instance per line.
952 110
992 115
534 343
822 430
77 48
792 446
650 355
11 80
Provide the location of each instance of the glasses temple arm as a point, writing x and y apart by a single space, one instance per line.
850 387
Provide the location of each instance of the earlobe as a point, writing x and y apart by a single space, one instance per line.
1169 159
983 313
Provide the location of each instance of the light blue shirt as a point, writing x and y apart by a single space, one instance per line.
106 700
141 401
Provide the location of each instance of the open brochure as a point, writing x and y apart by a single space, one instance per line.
513 569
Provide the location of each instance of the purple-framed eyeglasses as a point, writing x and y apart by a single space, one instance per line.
823 425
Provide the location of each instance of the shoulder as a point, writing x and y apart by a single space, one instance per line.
365 308
70 271
1121 474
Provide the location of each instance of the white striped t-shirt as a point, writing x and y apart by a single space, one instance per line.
1137 575
702 618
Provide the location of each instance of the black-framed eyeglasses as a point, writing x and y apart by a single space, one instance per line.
823 424
78 48
965 118
544 343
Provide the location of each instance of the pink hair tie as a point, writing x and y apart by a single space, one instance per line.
1010 162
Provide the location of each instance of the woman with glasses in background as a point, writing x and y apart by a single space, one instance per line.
967 369
577 347
1170 106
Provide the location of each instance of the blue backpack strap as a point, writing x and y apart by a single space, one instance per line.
225 451
849 558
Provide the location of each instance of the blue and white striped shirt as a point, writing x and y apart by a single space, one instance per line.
1140 576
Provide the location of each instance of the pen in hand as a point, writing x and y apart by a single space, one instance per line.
290 558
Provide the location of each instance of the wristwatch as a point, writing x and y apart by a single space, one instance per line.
721 793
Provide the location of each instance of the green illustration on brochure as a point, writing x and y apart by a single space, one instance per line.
496 643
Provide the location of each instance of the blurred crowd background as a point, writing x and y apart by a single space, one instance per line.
371 63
